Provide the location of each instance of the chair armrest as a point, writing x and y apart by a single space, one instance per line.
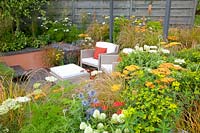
114 65
86 53
108 58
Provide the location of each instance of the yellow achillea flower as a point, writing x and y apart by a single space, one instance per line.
163 43
116 87
132 68
125 72
150 85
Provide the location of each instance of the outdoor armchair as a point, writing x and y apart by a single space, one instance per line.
87 55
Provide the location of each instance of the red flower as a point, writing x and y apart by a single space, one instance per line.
119 111
104 107
118 104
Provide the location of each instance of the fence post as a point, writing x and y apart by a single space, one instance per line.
111 22
167 18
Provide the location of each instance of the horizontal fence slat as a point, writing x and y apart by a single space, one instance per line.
182 11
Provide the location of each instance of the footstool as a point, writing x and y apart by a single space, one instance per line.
70 72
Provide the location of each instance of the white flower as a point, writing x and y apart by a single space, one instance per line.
153 51
102 116
179 61
88 129
153 47
51 79
36 85
37 92
22 99
88 38
146 48
11 104
100 126
55 30
83 125
127 50
66 18
96 114
38 17
107 17
3 109
56 21
104 23
140 48
67 30
118 131
105 131
114 118
121 118
165 51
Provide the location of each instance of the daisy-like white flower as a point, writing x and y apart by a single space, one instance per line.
179 61
127 50
22 99
3 109
51 79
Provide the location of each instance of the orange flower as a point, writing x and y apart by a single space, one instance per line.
39 95
161 71
170 66
167 80
172 38
132 68
150 85
83 35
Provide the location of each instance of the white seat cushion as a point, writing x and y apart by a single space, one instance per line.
90 61
111 48
107 68
68 71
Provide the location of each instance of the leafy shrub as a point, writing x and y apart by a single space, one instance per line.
62 30
55 111
6 71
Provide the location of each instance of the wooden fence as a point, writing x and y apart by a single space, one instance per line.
182 11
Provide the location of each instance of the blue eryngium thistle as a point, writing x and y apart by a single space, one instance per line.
85 103
91 93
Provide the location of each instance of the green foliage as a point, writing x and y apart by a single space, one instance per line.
14 42
62 30
6 71
154 25
57 112
192 58
197 20
142 59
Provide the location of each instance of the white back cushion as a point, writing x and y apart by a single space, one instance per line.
111 48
